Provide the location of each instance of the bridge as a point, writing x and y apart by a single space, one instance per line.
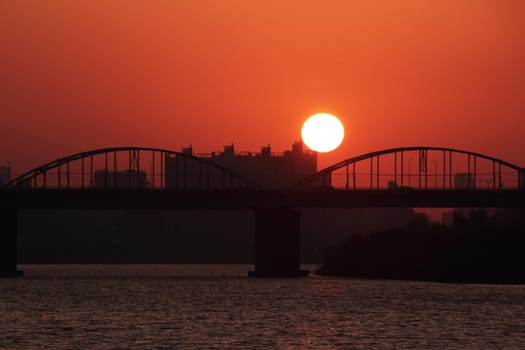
150 178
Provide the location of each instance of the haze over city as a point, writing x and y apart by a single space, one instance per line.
86 75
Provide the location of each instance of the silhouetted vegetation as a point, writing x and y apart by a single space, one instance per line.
477 248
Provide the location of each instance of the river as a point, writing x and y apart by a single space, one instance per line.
219 307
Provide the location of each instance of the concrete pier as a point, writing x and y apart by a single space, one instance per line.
277 243
8 243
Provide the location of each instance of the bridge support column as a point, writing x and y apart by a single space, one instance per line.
277 243
8 243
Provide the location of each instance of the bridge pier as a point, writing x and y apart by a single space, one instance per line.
8 243
277 243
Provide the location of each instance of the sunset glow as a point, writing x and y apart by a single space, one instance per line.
177 165
173 73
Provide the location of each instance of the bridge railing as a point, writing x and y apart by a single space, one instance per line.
419 168
406 168
131 168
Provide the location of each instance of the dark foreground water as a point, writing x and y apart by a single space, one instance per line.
217 306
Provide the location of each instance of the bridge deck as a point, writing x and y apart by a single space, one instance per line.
252 199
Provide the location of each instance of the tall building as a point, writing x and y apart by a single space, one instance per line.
270 170
464 181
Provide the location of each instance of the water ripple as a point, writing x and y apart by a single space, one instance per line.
216 307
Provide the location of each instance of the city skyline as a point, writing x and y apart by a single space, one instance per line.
80 76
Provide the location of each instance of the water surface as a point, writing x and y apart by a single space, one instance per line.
218 306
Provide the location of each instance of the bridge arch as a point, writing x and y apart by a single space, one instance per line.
447 168
132 167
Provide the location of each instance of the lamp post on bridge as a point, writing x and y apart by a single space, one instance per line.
409 172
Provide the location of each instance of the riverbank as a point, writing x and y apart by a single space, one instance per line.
477 248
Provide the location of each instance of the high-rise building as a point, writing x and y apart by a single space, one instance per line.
269 170
464 181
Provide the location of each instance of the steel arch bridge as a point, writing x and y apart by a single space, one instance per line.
120 168
436 168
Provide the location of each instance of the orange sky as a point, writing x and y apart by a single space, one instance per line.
79 75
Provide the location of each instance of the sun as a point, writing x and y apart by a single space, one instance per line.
322 132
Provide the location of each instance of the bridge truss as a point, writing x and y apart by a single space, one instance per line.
131 168
421 168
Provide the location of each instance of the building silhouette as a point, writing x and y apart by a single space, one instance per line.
464 181
5 175
268 169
